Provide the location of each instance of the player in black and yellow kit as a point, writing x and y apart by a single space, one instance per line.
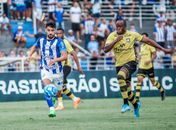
122 42
147 56
66 71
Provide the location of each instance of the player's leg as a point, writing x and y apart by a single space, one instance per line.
60 105
121 77
67 92
130 69
140 77
48 97
156 83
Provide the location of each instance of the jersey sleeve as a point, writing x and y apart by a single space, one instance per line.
68 46
138 37
152 49
110 38
61 46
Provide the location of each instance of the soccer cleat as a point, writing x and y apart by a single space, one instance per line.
59 107
136 111
76 103
52 113
163 95
125 108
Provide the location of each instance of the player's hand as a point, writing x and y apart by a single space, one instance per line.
80 70
120 37
168 51
51 62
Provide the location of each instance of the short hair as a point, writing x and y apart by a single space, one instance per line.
50 24
144 33
58 29
124 21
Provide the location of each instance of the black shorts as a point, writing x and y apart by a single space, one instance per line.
66 71
130 67
75 27
144 72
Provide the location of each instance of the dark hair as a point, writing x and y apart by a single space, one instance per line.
124 21
50 24
58 29
144 33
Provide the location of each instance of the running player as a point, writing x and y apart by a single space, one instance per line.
121 42
66 71
147 56
53 52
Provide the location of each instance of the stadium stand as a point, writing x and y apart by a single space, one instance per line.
142 15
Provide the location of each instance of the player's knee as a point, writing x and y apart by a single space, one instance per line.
120 77
153 81
50 90
139 79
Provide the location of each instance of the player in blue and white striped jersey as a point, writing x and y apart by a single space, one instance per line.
53 52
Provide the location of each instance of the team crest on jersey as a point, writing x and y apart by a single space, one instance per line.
128 39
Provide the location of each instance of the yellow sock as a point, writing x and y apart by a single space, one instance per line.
67 92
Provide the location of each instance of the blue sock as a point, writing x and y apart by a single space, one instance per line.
49 100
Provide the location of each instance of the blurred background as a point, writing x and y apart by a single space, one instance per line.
87 24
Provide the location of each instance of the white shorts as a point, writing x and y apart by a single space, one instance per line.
56 79
38 13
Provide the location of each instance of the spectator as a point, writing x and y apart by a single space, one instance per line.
5 24
28 4
93 48
96 8
159 59
170 32
119 15
101 32
159 33
12 66
18 64
71 37
20 8
37 5
88 27
38 35
13 13
111 7
51 8
19 37
58 16
111 26
75 17
132 27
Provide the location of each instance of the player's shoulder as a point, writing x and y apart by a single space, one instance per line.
132 32
40 39
113 34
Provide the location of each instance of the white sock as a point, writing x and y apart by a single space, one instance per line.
75 98
60 104
51 108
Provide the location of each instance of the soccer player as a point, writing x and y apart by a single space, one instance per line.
147 56
66 71
53 52
122 42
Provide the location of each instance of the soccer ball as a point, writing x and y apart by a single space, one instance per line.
51 90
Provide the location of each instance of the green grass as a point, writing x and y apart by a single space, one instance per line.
95 114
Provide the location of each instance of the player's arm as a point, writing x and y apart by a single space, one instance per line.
32 50
75 57
59 59
110 44
154 44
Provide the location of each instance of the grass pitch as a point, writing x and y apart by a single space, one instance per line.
95 114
